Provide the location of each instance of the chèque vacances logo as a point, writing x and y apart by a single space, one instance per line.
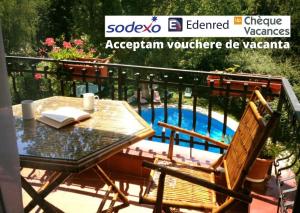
135 27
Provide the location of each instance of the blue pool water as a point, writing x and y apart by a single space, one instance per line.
187 121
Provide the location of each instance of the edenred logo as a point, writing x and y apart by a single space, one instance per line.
133 27
175 24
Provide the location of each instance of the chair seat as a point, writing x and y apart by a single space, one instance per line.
180 193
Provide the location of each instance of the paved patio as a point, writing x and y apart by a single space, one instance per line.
84 192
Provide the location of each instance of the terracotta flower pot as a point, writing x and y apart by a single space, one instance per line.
90 70
274 86
259 171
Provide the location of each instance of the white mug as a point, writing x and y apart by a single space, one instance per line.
27 109
89 101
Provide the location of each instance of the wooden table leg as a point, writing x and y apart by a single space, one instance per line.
38 197
112 187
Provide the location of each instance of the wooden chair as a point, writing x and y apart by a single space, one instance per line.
182 185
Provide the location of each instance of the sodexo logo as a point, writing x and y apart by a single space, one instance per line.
175 24
135 27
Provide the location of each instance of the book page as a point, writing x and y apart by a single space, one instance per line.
54 123
63 113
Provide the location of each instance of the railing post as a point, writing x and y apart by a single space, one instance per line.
225 113
276 132
180 78
177 138
211 89
194 94
120 84
13 76
9 68
49 82
62 87
138 92
245 93
73 88
21 67
124 76
180 101
264 90
281 100
59 77
83 73
83 76
152 98
33 70
46 70
36 81
163 135
112 87
71 69
98 81
166 98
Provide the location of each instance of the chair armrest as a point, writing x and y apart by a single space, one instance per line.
165 170
194 134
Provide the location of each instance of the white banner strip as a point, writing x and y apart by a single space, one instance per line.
197 26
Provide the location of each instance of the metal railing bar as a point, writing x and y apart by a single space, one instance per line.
84 76
291 97
185 141
150 68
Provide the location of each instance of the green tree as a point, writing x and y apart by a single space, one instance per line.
19 24
89 18
137 7
56 19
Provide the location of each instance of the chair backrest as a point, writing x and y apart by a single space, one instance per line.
253 130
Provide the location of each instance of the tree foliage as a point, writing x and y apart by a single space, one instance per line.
56 19
19 21
26 23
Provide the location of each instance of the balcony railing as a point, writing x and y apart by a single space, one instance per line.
219 91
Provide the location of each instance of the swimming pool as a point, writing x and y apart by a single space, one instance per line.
187 120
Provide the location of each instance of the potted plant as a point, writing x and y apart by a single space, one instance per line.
75 49
262 167
274 86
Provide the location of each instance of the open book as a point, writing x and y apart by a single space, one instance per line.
63 116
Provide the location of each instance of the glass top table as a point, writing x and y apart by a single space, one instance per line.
113 125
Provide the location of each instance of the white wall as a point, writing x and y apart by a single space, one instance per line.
10 184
